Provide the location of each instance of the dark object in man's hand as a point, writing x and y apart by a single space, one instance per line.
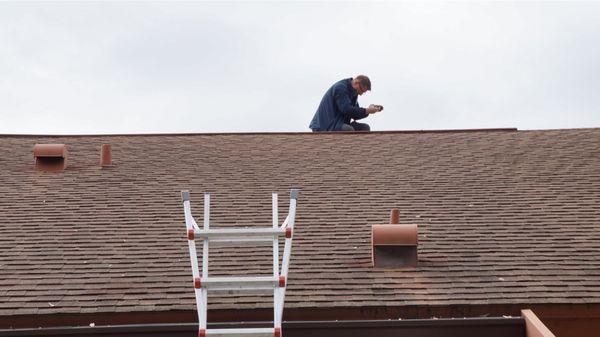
379 106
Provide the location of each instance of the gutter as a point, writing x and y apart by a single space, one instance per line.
447 327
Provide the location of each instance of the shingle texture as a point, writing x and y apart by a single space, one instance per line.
504 218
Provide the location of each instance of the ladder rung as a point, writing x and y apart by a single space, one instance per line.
248 332
242 291
239 241
242 283
240 233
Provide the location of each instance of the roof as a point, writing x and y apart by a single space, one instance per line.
504 217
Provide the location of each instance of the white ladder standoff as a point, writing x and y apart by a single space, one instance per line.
203 283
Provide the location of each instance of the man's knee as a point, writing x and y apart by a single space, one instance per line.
361 126
346 127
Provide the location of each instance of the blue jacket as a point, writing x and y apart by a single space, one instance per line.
338 106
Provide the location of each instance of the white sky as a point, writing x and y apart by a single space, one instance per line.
140 67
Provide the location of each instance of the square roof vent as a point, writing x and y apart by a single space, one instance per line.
394 245
50 157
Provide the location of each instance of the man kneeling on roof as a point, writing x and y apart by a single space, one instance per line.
339 110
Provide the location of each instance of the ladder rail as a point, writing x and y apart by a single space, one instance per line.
285 222
275 256
194 223
189 222
275 238
205 246
288 242
287 251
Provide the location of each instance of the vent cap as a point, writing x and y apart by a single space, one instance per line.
394 245
50 157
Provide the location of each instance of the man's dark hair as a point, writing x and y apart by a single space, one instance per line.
364 81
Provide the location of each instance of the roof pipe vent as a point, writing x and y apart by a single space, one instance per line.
50 157
105 155
394 245
394 217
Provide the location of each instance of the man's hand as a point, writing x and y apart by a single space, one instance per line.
373 109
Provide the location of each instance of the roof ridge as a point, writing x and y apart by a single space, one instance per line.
266 133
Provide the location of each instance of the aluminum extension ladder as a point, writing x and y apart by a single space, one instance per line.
236 237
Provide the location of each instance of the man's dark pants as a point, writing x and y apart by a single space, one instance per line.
356 126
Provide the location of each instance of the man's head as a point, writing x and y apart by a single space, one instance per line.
361 84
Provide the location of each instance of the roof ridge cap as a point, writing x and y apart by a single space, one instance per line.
266 133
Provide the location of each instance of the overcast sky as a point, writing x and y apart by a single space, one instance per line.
140 67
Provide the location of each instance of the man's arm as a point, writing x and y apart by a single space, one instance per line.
343 102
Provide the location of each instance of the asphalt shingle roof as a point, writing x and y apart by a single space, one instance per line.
504 218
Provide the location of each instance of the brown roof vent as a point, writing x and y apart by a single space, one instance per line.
394 245
105 155
50 157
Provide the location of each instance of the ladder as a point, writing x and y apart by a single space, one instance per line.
203 283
